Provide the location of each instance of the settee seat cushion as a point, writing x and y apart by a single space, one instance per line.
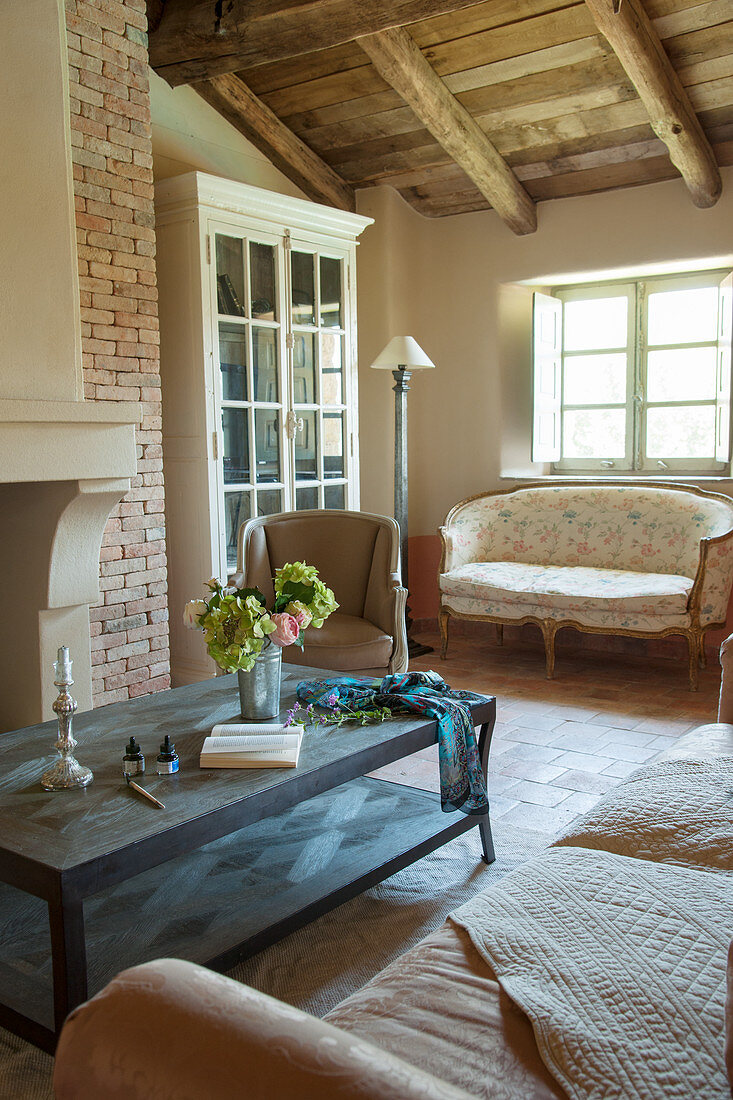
570 588
347 643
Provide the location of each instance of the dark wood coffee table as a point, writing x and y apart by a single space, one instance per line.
95 880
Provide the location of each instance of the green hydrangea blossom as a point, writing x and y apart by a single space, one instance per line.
322 604
235 628
296 573
236 622
300 582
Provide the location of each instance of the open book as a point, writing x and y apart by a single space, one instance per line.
252 746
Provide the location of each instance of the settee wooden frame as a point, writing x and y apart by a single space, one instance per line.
694 634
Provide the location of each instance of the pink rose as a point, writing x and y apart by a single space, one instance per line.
287 629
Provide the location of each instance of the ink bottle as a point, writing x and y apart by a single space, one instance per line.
133 762
167 760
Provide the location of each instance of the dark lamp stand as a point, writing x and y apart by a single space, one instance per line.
401 388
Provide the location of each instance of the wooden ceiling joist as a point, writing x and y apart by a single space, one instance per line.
231 97
197 39
635 42
400 62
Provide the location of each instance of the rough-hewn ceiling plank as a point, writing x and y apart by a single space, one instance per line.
197 39
636 44
400 62
155 14
231 97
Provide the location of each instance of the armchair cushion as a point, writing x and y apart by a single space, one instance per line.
570 587
344 642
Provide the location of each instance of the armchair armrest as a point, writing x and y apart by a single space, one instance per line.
171 1029
385 607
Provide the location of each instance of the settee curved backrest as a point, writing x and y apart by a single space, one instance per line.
643 527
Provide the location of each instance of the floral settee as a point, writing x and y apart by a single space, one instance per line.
641 559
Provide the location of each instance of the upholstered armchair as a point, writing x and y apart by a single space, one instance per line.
357 555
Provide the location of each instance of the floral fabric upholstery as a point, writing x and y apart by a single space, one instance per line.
596 620
601 532
717 584
574 588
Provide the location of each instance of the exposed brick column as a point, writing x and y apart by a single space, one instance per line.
113 186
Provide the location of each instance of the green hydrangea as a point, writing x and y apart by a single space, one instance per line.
236 622
296 582
296 573
322 604
235 628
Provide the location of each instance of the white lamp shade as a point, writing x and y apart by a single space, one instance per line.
402 351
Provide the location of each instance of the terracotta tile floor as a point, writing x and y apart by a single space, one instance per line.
560 744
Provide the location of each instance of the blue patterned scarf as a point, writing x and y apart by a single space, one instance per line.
462 785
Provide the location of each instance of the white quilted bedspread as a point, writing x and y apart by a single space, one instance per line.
676 811
619 964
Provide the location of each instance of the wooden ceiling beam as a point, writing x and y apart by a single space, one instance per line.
231 97
194 40
399 60
635 42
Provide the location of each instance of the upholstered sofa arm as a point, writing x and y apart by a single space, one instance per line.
725 706
170 1029
715 577
446 561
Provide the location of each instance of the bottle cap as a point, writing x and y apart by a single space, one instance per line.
168 749
133 749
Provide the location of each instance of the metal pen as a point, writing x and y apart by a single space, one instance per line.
141 790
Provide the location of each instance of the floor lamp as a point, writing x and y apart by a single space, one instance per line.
402 356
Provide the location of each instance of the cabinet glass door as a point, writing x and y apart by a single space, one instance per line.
319 384
250 384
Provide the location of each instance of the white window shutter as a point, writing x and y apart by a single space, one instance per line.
547 359
722 396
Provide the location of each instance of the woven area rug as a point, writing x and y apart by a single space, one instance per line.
321 964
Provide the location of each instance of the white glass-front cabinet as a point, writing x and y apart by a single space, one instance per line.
258 365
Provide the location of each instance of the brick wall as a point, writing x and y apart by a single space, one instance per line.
113 187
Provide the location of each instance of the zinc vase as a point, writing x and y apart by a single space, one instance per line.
259 689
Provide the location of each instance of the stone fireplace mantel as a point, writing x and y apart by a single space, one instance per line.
62 440
64 466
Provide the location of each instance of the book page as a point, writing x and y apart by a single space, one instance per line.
250 729
278 742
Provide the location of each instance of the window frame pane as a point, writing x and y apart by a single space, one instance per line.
602 463
667 463
636 460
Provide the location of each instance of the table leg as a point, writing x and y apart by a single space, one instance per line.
68 952
484 827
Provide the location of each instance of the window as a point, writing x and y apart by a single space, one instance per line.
634 376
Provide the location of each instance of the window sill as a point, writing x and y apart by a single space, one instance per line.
687 479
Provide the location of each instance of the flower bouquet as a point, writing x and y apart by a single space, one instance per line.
244 636
238 626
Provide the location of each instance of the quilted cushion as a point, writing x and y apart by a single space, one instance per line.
569 587
729 1019
620 964
673 811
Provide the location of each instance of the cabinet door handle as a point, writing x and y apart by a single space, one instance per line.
293 424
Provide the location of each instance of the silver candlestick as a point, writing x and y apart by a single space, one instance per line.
67 772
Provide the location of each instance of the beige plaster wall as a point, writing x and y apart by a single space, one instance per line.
38 281
455 285
189 134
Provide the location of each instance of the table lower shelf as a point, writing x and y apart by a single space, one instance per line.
232 897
